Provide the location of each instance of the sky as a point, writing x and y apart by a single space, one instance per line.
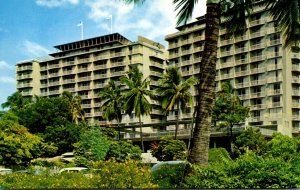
30 28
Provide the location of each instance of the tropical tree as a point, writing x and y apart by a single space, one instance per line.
228 109
112 103
15 101
136 96
174 91
74 103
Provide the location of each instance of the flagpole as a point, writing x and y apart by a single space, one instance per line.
81 27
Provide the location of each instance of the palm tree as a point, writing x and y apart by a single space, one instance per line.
74 106
285 12
15 101
175 92
112 103
135 96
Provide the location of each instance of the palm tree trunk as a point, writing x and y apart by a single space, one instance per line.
141 134
177 122
201 135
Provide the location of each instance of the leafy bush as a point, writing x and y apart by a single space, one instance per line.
129 174
218 155
92 146
248 171
169 149
123 150
169 176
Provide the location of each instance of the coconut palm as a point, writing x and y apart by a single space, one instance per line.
15 101
175 92
74 106
135 96
112 103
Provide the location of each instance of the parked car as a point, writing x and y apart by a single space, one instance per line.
73 169
4 171
155 167
68 157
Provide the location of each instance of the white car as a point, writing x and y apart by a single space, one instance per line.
4 171
73 169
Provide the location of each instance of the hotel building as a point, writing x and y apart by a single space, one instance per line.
85 67
264 74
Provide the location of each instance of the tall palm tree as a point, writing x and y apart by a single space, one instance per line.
74 106
285 12
112 103
135 96
175 92
15 101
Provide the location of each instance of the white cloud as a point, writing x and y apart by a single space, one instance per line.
56 3
153 19
33 49
4 65
7 80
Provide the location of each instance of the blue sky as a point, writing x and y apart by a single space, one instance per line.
30 28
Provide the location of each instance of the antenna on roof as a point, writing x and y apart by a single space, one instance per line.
81 26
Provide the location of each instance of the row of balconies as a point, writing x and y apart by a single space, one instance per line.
24 68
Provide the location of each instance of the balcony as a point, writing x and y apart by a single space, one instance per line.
85 60
226 42
197 59
257 58
241 61
256 22
101 57
156 64
241 73
257 94
174 55
84 87
43 77
186 52
226 76
274 104
258 82
54 83
271 55
68 63
296 117
117 73
97 104
54 92
227 64
96 67
274 42
296 105
242 85
186 73
186 62
274 92
273 30
243 96
274 67
296 93
86 105
241 50
84 69
68 72
53 75
53 66
26 93
186 41
257 70
98 113
26 76
155 73
199 38
257 46
257 34
117 54
256 119
241 38
80 79
24 85
69 89
296 68
296 80
173 45
100 85
24 68
274 79
100 76
43 68
227 53
67 81
117 64
257 106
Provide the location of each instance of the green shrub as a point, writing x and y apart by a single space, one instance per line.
123 150
218 155
169 176
129 174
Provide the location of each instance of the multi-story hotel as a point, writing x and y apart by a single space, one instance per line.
263 72
85 67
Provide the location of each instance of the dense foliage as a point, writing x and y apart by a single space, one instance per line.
169 149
